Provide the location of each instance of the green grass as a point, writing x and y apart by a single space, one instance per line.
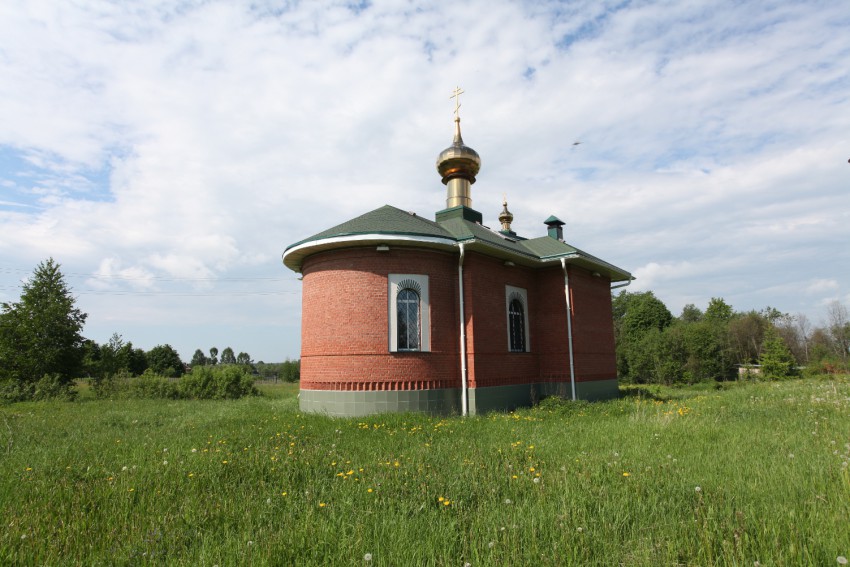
752 473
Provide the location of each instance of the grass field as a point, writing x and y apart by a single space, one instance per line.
753 474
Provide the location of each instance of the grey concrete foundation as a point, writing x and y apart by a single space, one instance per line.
447 401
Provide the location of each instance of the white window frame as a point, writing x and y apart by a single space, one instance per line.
512 293
419 283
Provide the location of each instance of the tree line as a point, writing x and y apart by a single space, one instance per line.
43 351
653 346
286 371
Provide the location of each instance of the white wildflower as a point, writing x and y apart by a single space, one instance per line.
367 557
491 545
698 489
841 560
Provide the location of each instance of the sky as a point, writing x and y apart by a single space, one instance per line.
165 153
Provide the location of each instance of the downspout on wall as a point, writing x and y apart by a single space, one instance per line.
569 326
464 401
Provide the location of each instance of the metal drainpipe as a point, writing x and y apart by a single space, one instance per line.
464 402
569 326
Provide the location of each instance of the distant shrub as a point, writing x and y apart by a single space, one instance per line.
54 387
826 366
217 383
110 386
49 387
203 383
152 386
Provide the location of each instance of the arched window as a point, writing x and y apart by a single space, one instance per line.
409 313
407 309
516 309
516 323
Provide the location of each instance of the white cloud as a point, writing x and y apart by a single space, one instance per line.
822 286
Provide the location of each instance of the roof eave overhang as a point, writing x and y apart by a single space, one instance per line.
295 254
579 258
592 264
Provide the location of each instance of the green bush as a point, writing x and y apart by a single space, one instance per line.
110 386
217 383
203 383
49 387
153 386
54 387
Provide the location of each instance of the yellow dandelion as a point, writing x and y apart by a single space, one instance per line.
627 474
322 504
446 502
370 490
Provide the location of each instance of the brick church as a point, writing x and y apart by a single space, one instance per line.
403 313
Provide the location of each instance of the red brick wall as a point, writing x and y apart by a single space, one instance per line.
344 322
490 362
593 326
345 326
550 317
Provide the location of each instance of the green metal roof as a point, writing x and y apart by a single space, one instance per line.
385 220
390 225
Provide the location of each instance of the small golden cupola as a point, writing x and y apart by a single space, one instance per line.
506 217
458 165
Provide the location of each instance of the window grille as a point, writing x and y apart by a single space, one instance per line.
407 305
516 321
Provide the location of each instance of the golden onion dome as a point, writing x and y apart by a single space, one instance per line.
458 160
505 217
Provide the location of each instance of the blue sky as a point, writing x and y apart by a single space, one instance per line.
165 153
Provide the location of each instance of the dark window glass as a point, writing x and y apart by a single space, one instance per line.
407 304
516 319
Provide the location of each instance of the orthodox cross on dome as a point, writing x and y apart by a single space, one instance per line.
456 95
